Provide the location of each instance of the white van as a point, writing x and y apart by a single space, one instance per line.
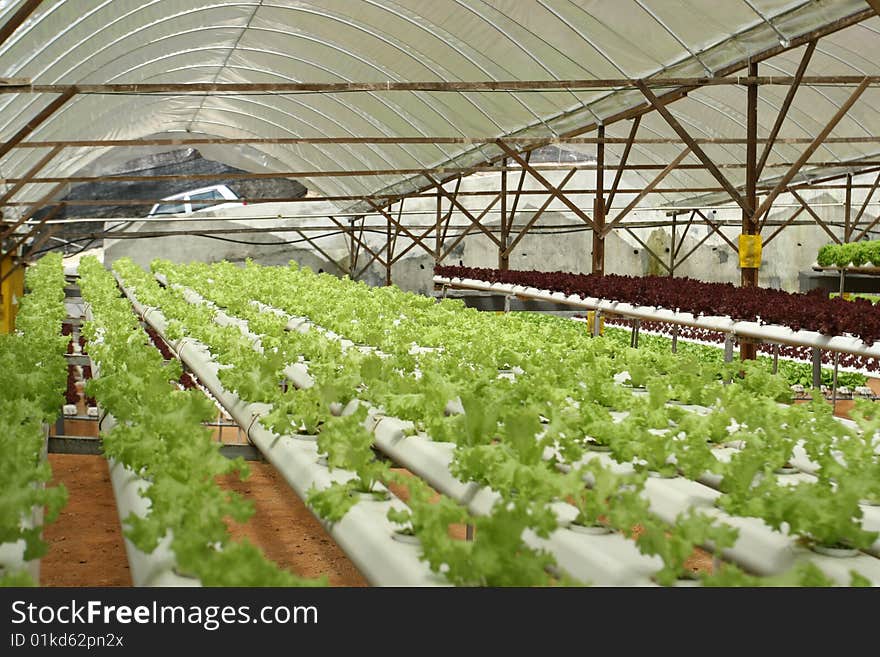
193 201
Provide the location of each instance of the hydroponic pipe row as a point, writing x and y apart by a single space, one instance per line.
608 559
603 560
365 534
751 330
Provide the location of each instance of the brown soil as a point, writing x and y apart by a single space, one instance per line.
286 531
85 543
86 547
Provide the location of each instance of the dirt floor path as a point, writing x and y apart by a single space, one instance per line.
85 543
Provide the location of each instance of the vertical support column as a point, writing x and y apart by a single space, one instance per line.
847 210
503 255
748 350
672 246
352 255
598 265
817 367
438 237
728 347
388 247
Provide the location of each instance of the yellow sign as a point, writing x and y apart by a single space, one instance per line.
11 290
591 322
750 251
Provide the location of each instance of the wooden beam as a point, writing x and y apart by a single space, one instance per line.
684 234
750 226
815 216
647 189
503 262
15 21
528 143
317 248
452 86
867 229
598 255
788 222
341 173
38 120
24 238
679 129
648 249
448 219
858 218
519 189
465 211
538 213
623 160
390 219
35 207
786 104
546 183
411 245
474 223
717 230
817 141
847 216
28 177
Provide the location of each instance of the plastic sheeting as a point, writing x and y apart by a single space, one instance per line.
113 41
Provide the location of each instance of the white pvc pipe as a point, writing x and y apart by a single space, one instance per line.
12 553
763 332
365 533
608 559
156 568
759 548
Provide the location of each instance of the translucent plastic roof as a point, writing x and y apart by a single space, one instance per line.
127 41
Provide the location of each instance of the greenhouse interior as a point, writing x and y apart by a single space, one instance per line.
432 293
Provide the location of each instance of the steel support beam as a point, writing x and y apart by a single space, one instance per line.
546 183
816 217
699 152
17 19
598 255
37 121
503 260
647 189
538 213
624 158
786 104
817 141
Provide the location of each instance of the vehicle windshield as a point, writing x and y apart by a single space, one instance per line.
210 195
170 208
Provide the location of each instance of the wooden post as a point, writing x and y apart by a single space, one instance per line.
598 264
847 209
749 276
503 255
438 237
388 248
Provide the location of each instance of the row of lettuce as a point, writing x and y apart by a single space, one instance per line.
560 402
159 434
855 254
34 375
